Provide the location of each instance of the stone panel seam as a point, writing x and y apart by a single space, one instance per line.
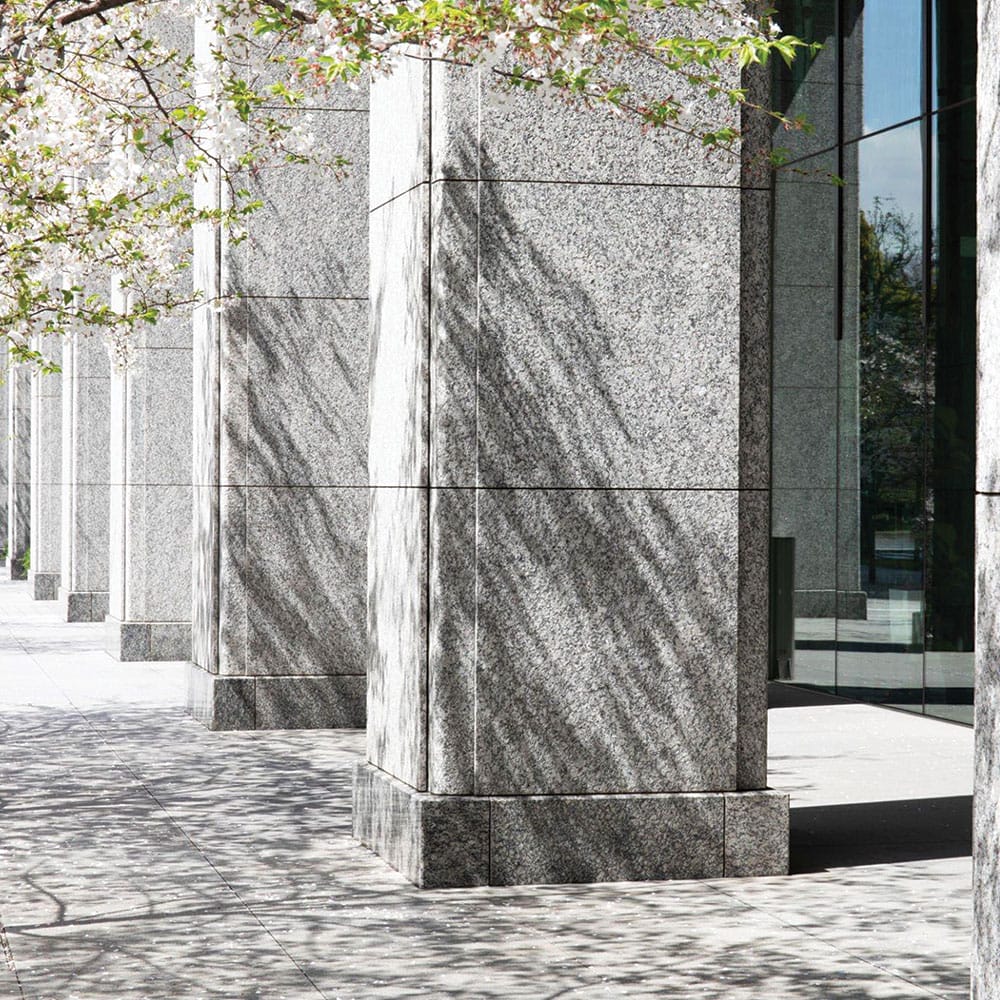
478 439
280 486
244 503
582 182
311 107
490 797
540 489
283 298
725 816
797 284
274 677
428 426
150 621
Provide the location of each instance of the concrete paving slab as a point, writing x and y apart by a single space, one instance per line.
145 857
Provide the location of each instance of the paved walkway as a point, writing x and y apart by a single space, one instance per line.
143 857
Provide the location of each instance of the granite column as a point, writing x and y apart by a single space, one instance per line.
568 535
18 469
986 807
86 378
46 478
5 376
280 362
151 505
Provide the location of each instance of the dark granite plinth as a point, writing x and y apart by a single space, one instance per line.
439 841
84 606
44 586
235 702
132 642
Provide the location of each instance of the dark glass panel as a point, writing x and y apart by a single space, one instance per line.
877 573
953 64
951 378
808 88
804 438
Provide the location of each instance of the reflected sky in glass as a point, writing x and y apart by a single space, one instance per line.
893 32
889 169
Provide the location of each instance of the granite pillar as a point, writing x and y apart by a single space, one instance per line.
151 463
280 362
986 807
150 529
568 533
5 375
18 470
46 477
151 506
86 382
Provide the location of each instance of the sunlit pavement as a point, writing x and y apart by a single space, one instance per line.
142 856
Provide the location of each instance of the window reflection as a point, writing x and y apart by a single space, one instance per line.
804 440
874 358
951 380
880 652
886 38
808 88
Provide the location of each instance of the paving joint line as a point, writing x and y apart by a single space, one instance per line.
8 956
211 864
129 769
829 944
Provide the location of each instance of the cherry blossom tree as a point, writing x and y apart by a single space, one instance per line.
109 122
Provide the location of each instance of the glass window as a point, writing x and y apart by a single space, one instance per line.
805 421
953 67
874 336
883 58
951 378
808 88
882 424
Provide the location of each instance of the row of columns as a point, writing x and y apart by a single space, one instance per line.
84 523
439 450
475 443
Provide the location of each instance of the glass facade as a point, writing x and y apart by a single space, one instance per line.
874 333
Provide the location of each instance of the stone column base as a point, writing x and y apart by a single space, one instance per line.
44 586
321 702
444 841
132 642
83 605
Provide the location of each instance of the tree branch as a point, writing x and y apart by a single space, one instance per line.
91 10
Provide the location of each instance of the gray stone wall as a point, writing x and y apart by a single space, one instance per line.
18 469
46 477
569 456
281 359
986 812
86 377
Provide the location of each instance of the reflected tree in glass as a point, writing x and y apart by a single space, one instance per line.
892 377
